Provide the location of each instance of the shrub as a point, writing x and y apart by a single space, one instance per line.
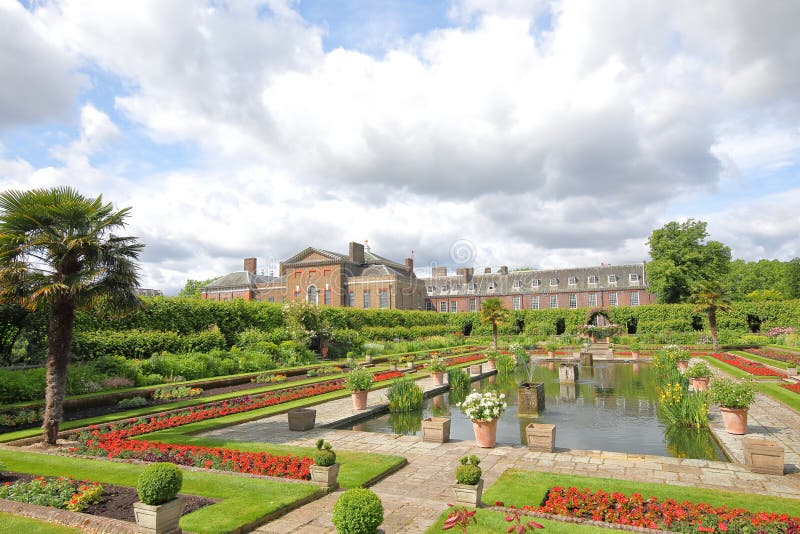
359 380
133 402
458 380
404 395
698 370
269 378
357 511
737 394
178 392
324 457
437 365
468 471
159 483
116 382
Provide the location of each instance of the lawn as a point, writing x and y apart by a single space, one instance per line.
244 499
13 524
761 359
489 522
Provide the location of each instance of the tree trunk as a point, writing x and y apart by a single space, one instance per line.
712 324
62 317
494 335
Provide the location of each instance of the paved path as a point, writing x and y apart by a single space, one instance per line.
417 494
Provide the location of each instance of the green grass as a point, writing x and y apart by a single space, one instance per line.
489 522
784 347
735 371
781 394
760 359
520 488
243 499
13 524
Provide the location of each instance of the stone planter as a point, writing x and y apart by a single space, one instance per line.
763 456
567 372
735 420
469 494
410 366
491 365
325 477
485 433
160 519
791 371
530 399
393 367
699 384
438 378
475 369
586 359
359 400
682 365
302 419
436 429
541 437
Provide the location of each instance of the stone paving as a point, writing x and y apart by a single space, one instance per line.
417 494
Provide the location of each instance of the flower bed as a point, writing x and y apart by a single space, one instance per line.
388 375
64 493
748 366
664 514
781 356
792 387
464 359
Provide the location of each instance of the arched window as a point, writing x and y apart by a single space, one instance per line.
313 296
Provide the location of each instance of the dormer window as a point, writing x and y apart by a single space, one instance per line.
517 284
536 283
593 280
612 278
554 281
446 288
431 289
492 285
573 280
634 278
471 287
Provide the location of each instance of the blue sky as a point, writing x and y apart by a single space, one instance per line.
537 133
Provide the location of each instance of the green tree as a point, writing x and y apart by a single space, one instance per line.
681 258
792 284
59 251
709 297
745 278
763 295
192 288
493 312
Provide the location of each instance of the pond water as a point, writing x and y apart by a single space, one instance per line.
611 407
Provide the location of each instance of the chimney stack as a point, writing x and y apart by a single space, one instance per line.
487 270
503 270
357 253
439 271
250 265
409 264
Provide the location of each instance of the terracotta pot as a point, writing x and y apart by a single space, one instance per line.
551 354
324 351
485 433
699 384
592 339
491 364
735 420
438 378
359 400
608 340
682 365
635 355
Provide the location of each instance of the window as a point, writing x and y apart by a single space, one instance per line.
455 288
554 281
327 272
473 305
634 298
516 303
593 280
573 301
612 278
313 297
592 300
351 299
443 306
536 283
366 298
553 301
517 284
633 279
430 289
428 305
492 285
453 306
534 303
271 299
573 280
612 299
471 287
446 287
383 298
327 297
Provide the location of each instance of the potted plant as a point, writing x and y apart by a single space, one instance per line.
357 511
491 360
530 395
469 484
635 347
324 470
358 383
159 508
484 409
734 399
438 368
611 350
699 375
677 354
551 347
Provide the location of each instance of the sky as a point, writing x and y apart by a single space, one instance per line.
526 133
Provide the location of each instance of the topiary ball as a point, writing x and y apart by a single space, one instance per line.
159 483
468 474
357 511
325 458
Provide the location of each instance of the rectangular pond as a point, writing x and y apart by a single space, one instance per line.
611 407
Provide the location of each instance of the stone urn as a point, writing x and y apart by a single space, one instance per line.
469 494
699 384
436 429
735 420
359 400
159 519
438 378
485 433
325 476
302 419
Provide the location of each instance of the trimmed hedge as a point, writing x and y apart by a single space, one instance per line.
140 344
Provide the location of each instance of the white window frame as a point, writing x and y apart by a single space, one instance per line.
573 301
443 306
430 289
315 299
634 294
471 287
473 305
536 282
612 279
429 306
534 303
327 297
573 281
553 282
613 299
553 300
517 284
383 299
453 306
516 303
633 279
592 300
592 279
445 288
366 299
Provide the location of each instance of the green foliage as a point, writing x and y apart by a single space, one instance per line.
437 365
523 365
142 344
495 314
763 295
458 380
324 457
505 364
734 394
191 289
680 407
763 280
132 402
359 380
357 511
468 470
404 395
305 321
159 483
698 370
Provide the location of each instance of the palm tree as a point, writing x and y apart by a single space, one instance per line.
58 252
493 312
709 297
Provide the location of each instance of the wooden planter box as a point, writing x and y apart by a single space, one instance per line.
325 477
530 399
160 519
436 429
302 419
469 494
763 456
541 437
